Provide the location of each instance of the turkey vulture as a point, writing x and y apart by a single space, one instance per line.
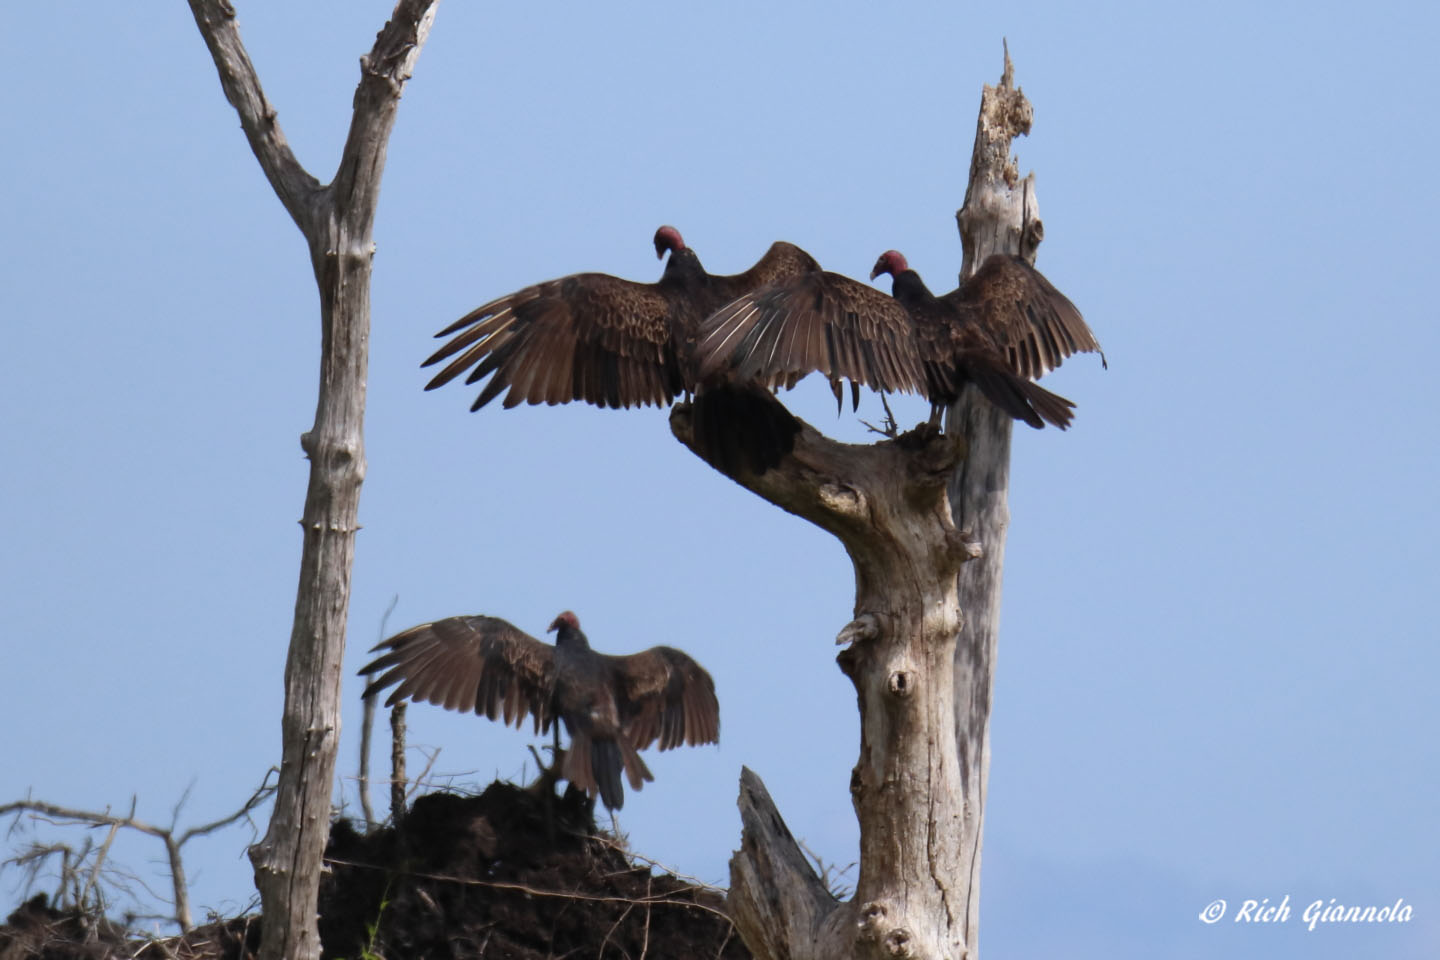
612 707
1004 325
617 343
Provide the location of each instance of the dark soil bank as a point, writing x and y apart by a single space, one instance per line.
506 875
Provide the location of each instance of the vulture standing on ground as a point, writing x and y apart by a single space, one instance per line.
612 707
617 343
1003 326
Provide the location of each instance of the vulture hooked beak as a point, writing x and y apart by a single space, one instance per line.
891 262
667 238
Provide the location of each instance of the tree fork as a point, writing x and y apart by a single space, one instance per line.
910 512
887 503
337 221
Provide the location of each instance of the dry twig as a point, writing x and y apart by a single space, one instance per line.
658 901
367 725
87 897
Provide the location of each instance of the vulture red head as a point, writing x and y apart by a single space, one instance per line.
566 619
667 238
891 262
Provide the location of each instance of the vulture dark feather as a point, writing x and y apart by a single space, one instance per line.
1003 327
612 707
617 343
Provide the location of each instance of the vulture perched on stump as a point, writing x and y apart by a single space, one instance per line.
616 343
1002 327
612 707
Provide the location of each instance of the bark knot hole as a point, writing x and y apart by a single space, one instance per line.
897 943
872 920
901 684
345 453
843 499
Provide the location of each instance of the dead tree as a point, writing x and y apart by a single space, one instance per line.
1000 215
337 220
923 518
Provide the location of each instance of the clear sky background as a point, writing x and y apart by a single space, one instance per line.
1217 660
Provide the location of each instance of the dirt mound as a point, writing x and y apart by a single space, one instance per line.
506 875
36 929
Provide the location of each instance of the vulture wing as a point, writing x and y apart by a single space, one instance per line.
476 663
819 321
663 694
1034 323
589 336
783 263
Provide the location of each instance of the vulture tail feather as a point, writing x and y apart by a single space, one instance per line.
1005 390
1052 407
635 770
606 763
579 766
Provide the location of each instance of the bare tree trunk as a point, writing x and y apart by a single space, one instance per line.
999 216
336 220
887 503
910 512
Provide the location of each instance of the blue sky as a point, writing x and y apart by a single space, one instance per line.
1217 652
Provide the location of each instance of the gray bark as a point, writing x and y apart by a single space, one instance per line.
336 220
367 725
910 512
887 504
999 216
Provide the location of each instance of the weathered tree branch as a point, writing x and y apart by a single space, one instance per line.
337 221
999 214
93 880
896 486
293 185
367 726
383 72
910 511
167 835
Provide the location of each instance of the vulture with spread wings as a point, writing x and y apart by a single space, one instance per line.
612 707
616 343
1002 327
